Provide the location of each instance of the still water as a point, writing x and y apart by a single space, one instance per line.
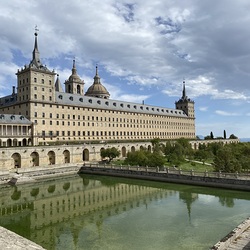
90 212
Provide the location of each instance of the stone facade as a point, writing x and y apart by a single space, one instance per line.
27 157
60 117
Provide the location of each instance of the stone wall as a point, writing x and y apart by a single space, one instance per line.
228 183
33 156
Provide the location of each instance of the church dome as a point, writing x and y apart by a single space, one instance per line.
97 89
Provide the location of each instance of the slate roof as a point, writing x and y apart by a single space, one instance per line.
109 104
14 119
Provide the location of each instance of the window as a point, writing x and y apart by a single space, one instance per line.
43 115
42 80
35 115
42 97
43 122
35 80
35 96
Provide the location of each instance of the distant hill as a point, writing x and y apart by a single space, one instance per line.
244 139
201 137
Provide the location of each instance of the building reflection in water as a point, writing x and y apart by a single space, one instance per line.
31 209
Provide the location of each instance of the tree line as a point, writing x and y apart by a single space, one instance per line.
233 157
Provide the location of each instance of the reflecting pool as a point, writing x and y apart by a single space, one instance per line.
92 212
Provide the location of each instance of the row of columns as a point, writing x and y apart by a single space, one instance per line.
15 130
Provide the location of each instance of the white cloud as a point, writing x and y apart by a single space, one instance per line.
203 108
225 113
149 46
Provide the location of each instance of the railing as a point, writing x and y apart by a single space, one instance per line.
172 170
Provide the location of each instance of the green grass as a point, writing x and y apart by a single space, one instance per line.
199 167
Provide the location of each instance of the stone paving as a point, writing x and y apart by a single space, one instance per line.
242 242
13 241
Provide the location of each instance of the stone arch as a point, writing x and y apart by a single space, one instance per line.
78 89
51 157
85 155
149 148
16 160
124 151
34 159
15 143
133 149
141 148
66 154
101 151
9 143
24 142
29 142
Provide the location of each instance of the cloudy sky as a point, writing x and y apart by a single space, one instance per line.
144 49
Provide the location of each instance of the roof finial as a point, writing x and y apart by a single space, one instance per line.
74 66
36 30
96 69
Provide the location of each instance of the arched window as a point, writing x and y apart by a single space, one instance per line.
78 89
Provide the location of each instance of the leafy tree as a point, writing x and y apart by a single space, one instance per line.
156 160
214 147
202 155
145 158
225 161
232 136
137 158
208 137
110 153
156 144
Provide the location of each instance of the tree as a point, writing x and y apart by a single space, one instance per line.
232 136
145 158
211 135
137 158
226 161
111 153
156 144
225 135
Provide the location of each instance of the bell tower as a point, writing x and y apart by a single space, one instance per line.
74 84
185 103
35 82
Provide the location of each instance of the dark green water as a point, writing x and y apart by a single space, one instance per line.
91 212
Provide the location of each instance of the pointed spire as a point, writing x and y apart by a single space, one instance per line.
58 86
36 54
184 91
